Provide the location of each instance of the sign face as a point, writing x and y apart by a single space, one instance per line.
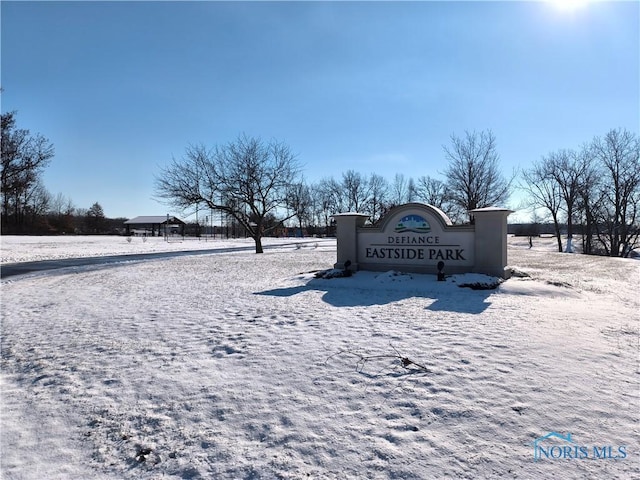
420 238
415 238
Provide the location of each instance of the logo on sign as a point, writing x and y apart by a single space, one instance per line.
413 223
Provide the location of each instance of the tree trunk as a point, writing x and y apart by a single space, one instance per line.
558 234
258 240
569 248
559 238
587 237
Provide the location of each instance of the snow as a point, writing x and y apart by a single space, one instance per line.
236 365
15 249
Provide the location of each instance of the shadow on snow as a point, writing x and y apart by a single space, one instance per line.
364 289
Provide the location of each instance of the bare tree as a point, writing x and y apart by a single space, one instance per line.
567 169
299 200
327 200
473 175
590 198
247 179
60 213
61 205
545 193
356 190
432 191
378 188
619 154
400 191
36 203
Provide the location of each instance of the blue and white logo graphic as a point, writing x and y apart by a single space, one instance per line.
413 223
555 446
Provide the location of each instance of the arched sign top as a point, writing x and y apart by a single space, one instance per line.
413 217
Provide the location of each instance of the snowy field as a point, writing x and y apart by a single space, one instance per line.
244 366
15 249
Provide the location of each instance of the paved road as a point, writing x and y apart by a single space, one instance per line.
13 269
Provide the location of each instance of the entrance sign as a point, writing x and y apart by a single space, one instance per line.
416 237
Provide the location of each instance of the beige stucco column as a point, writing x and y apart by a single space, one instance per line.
347 225
491 241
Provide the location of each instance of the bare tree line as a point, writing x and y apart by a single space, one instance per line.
472 179
594 189
27 206
24 158
260 185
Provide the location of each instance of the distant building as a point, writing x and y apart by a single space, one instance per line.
152 226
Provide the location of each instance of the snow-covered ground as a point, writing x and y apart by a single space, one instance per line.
236 365
15 249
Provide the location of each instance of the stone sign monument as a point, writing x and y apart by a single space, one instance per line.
416 237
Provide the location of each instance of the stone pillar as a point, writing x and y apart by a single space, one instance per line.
347 225
491 241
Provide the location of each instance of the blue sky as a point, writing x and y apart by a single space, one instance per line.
122 87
